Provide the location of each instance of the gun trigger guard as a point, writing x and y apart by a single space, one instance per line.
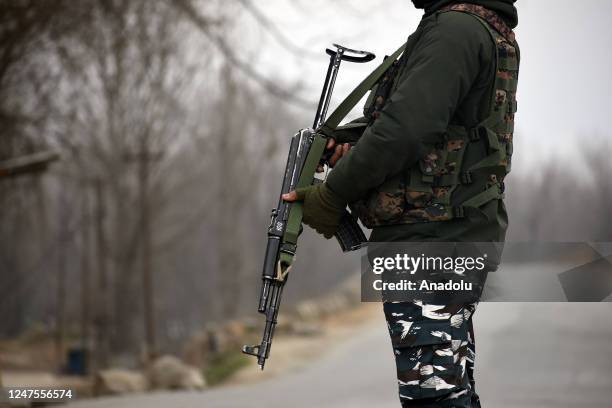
280 275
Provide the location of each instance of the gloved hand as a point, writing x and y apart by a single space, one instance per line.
323 208
334 151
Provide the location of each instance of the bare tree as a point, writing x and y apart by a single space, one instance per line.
172 146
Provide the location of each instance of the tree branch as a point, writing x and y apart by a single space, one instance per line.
204 24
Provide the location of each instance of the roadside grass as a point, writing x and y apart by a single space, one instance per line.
223 366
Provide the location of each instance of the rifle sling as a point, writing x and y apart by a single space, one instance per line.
332 122
295 215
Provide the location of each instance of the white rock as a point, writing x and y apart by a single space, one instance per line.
118 381
170 373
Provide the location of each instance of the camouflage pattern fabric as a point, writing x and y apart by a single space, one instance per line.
489 16
434 353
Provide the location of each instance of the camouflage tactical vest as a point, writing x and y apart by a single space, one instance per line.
435 190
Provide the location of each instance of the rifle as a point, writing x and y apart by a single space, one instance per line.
306 152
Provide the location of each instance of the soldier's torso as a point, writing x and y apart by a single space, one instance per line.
462 171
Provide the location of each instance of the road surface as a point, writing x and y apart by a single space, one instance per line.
528 355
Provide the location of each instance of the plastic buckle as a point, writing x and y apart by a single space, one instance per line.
466 177
475 134
288 248
458 212
436 181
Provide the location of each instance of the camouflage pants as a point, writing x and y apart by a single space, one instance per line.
434 353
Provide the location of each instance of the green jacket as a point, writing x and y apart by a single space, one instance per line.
448 76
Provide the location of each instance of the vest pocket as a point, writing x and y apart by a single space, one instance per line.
384 205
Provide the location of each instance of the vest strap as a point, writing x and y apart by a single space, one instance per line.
492 193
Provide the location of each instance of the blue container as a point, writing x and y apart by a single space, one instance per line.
77 361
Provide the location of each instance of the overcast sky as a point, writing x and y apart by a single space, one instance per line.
565 81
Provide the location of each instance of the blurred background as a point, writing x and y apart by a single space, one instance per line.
142 145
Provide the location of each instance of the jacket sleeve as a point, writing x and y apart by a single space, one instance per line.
439 73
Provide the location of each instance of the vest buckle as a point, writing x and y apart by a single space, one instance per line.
474 134
458 212
466 177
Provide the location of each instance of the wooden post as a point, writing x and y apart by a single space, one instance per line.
145 253
102 316
60 301
85 273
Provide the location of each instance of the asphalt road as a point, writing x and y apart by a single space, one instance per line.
528 355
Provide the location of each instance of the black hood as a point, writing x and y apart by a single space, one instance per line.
505 8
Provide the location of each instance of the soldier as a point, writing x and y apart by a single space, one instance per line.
430 166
